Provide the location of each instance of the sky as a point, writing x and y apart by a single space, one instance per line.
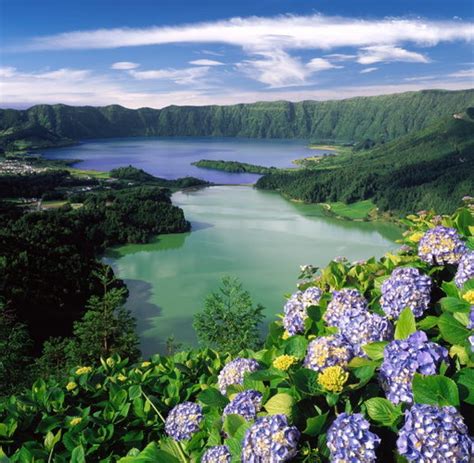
156 53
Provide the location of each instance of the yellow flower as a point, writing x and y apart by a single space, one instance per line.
75 421
121 377
71 386
285 335
83 370
110 362
146 364
283 362
333 378
416 237
469 296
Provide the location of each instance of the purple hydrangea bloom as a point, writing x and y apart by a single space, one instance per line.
465 269
406 287
349 439
217 454
295 310
183 421
441 245
345 304
434 434
246 404
470 325
270 440
405 357
365 328
327 351
233 372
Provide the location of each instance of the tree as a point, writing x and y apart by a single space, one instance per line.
107 327
229 322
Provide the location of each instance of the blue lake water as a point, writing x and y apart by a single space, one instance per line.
172 157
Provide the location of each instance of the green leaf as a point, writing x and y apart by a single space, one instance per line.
77 455
435 390
232 423
151 453
297 346
375 349
463 221
306 381
134 392
281 403
427 323
315 425
213 398
383 411
406 324
454 304
266 375
450 289
465 381
451 330
51 440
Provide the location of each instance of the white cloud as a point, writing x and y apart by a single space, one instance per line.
367 70
465 73
124 65
7 71
320 64
388 53
206 62
340 56
267 33
186 76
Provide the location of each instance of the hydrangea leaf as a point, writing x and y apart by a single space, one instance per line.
383 411
453 304
427 323
213 398
281 403
406 324
232 423
315 424
297 346
465 381
375 349
435 390
451 330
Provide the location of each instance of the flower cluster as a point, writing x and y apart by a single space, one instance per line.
270 440
441 245
465 269
406 287
333 378
83 370
284 362
183 421
432 433
349 439
295 310
327 351
346 303
402 359
246 404
217 454
233 372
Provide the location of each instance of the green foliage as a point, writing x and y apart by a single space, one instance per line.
229 322
233 166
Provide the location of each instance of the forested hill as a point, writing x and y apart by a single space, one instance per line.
428 169
380 117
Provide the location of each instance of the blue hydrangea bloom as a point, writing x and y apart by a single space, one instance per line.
295 310
470 325
183 421
270 440
441 245
217 454
327 351
345 304
465 269
434 434
406 287
246 404
233 372
349 439
365 328
405 357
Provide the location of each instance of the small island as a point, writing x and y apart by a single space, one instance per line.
234 166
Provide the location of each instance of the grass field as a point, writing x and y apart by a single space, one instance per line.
356 211
88 173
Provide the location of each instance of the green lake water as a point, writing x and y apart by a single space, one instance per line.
257 236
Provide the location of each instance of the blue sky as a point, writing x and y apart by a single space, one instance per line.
156 53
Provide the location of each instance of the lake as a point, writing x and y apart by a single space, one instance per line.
254 235
172 157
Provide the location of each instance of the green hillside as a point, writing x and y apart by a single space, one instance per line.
380 117
431 168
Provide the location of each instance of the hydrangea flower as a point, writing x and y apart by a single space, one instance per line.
470 325
405 357
349 439
295 310
465 269
432 433
406 287
284 362
327 351
246 404
441 245
365 328
270 440
346 303
233 372
217 454
333 378
183 421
